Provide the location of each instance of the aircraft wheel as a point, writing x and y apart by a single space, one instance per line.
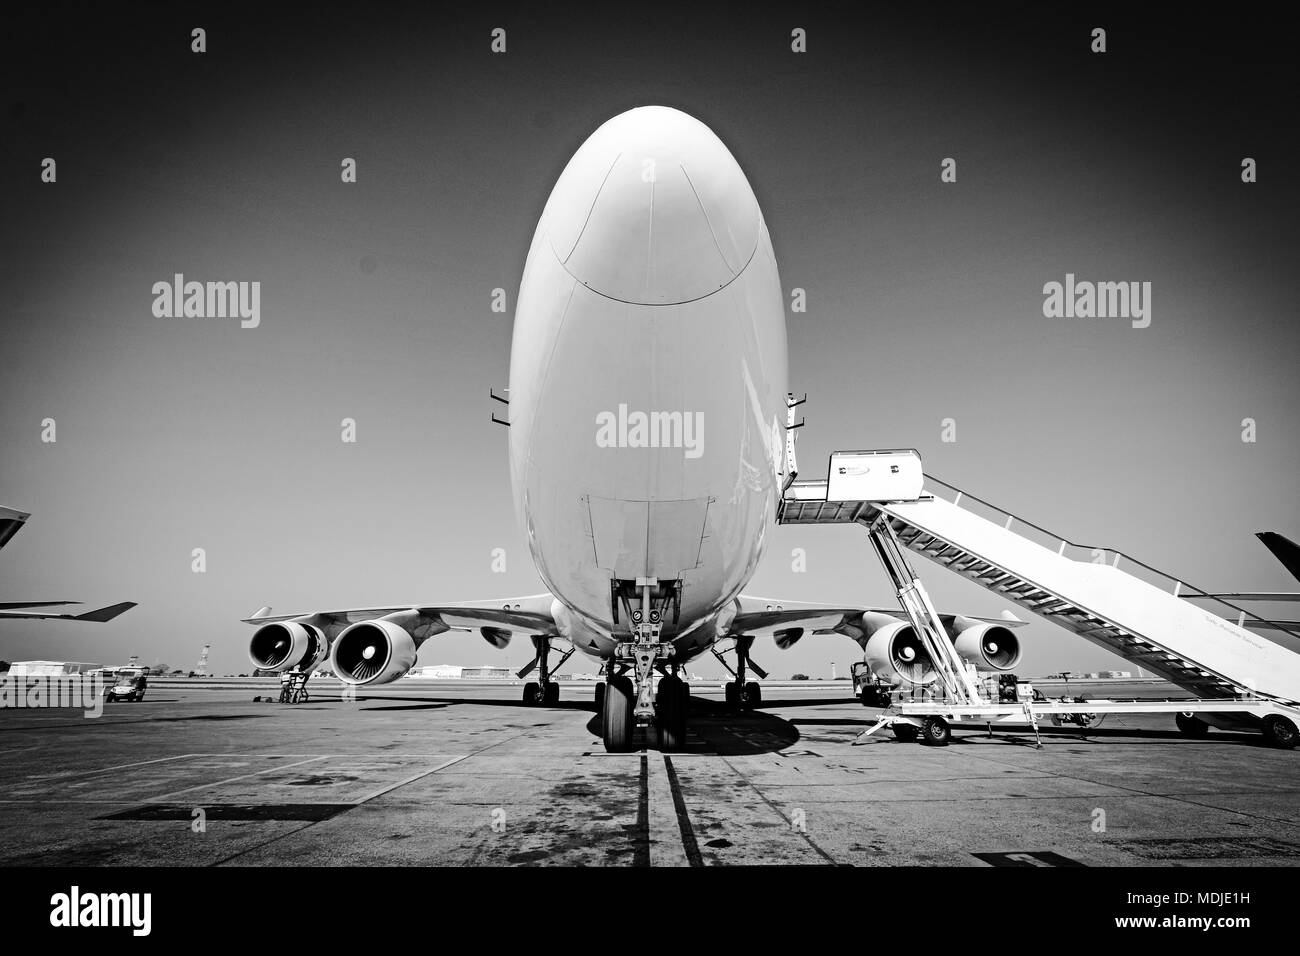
753 693
600 696
551 694
1280 732
1191 726
907 733
532 692
617 724
732 697
670 714
935 732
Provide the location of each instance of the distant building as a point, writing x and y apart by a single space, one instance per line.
50 668
438 671
1105 675
486 672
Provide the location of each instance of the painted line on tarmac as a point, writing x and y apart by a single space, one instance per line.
221 783
777 810
690 846
666 848
60 777
411 779
641 852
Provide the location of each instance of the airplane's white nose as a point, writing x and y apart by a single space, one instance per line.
653 210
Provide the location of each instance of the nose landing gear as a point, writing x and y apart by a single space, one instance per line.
630 699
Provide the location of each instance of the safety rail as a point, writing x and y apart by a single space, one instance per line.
1115 558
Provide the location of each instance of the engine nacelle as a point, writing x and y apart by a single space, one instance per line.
372 652
284 645
894 652
984 644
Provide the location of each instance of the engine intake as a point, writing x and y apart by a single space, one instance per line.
894 651
986 645
285 645
372 652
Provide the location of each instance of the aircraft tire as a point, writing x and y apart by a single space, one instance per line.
616 723
551 694
532 692
600 696
753 693
670 716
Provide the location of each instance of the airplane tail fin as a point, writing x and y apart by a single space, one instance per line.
10 521
102 614
1284 549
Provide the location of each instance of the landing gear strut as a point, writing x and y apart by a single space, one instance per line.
630 698
740 693
544 691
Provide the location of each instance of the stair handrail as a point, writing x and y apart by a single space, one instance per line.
1180 587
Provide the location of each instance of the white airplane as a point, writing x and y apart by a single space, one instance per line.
11 521
647 450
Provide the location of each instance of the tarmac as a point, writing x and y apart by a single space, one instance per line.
464 774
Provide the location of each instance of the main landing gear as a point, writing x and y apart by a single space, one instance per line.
742 694
543 692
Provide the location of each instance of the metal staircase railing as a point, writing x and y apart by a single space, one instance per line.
1116 559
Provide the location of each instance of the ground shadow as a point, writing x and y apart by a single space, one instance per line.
716 729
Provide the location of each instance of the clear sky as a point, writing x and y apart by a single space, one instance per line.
924 298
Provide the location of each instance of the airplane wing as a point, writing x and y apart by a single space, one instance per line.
1247 596
762 615
527 615
12 605
98 615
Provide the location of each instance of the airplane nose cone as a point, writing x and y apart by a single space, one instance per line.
653 210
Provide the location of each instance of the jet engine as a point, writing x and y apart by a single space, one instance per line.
984 644
372 652
894 651
284 645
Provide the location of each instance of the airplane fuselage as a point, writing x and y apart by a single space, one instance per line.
648 379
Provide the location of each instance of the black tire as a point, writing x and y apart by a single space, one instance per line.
732 697
907 733
935 732
551 695
753 694
600 696
616 723
670 714
1280 732
532 692
1191 726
